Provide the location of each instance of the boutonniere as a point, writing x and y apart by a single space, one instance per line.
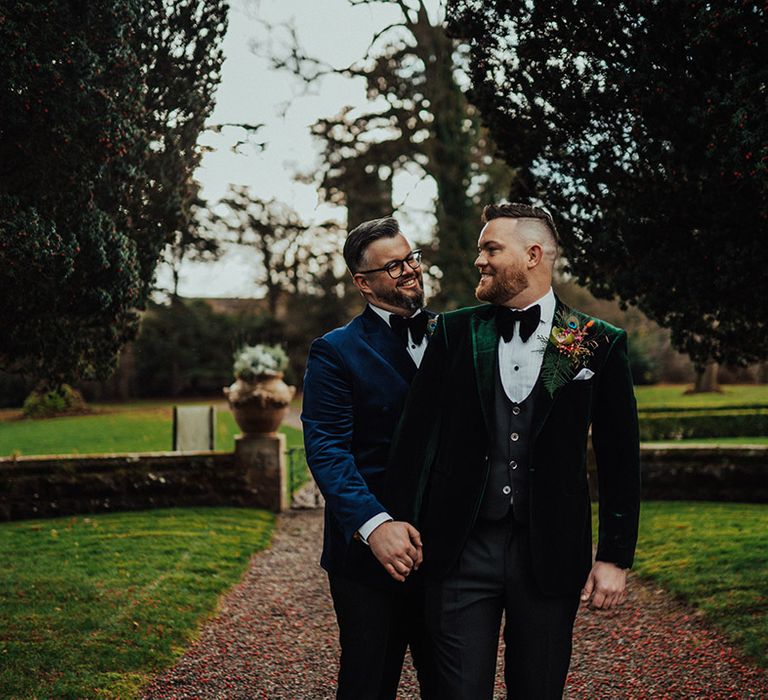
431 325
573 343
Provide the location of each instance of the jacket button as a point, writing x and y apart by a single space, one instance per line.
514 437
513 464
506 490
516 411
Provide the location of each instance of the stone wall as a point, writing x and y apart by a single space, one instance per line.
255 476
705 473
689 472
43 487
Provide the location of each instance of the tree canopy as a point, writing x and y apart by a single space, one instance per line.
102 106
644 127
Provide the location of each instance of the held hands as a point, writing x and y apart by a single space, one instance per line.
606 586
397 546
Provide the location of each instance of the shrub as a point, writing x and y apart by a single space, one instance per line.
252 361
44 404
678 426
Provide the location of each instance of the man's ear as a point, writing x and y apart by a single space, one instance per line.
361 282
534 255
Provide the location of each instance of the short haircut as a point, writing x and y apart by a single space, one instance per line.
537 225
362 236
516 210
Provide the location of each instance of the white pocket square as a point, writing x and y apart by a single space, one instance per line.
583 375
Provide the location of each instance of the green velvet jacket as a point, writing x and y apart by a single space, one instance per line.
438 464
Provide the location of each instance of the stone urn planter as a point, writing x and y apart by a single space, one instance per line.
259 398
261 404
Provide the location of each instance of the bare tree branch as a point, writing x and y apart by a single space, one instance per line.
379 34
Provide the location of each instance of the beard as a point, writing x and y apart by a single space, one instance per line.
502 286
402 300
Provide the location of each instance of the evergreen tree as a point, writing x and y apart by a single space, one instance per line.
102 106
644 127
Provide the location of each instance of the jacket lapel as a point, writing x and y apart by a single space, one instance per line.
543 401
485 340
385 343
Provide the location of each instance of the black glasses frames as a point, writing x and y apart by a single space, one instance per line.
396 268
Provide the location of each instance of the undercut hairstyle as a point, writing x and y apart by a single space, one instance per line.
541 223
362 236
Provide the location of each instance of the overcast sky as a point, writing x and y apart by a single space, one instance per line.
253 93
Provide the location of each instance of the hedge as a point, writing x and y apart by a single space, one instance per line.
681 425
725 408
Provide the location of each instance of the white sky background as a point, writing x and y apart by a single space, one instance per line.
251 92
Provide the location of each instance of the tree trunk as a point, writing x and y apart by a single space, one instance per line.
706 379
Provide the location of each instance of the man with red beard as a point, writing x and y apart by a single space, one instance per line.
354 390
489 462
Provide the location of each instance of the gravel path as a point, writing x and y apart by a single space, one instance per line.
275 638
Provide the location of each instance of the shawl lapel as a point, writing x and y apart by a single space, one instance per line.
543 402
485 341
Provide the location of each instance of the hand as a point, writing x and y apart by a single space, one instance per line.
606 586
397 546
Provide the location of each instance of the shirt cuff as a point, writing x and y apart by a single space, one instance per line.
369 526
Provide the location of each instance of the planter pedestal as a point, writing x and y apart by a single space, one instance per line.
262 459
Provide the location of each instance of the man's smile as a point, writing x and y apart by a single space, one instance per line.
409 283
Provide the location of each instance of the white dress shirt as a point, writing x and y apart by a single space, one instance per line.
520 362
417 353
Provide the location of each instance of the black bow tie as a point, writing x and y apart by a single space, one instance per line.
507 318
416 324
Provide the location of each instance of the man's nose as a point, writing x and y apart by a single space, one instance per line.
480 261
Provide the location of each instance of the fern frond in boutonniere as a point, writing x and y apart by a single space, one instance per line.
431 325
573 342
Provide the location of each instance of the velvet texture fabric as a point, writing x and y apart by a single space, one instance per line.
438 467
355 386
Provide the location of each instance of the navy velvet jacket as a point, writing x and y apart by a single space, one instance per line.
355 386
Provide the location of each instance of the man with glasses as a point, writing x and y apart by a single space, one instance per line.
354 390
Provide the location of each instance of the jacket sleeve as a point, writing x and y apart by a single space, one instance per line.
616 441
328 424
416 438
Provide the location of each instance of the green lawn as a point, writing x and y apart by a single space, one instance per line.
115 428
715 556
93 607
104 601
146 426
672 396
655 401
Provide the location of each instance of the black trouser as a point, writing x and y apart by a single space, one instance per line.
375 628
464 611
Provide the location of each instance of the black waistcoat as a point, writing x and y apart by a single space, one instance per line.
509 457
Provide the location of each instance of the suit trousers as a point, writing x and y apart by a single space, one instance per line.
464 612
376 625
